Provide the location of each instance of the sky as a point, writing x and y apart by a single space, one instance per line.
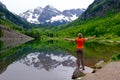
19 6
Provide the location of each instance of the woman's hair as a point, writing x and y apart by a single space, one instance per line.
80 35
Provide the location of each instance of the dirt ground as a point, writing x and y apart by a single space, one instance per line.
110 71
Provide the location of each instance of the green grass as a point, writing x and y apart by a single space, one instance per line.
116 57
108 26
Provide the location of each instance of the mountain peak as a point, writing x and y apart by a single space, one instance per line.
49 6
39 7
51 9
2 5
50 15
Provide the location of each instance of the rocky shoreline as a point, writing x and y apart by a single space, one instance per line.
11 38
110 71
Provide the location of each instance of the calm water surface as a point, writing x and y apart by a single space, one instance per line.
49 60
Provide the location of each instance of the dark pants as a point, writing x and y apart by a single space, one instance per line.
80 58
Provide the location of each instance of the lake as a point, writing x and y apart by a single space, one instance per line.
50 60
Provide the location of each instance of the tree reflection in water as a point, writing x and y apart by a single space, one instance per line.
48 61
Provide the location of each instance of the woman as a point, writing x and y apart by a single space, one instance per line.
79 48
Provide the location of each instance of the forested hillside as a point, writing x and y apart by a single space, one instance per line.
106 26
102 18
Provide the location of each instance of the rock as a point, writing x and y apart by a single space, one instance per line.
99 65
77 73
88 70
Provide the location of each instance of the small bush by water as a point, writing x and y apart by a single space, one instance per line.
116 57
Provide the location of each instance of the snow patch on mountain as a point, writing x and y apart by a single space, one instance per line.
33 19
74 17
58 18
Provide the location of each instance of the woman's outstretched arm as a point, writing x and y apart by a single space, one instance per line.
69 39
90 37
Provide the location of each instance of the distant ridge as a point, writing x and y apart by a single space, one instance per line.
50 15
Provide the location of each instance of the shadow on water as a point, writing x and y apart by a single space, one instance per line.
54 55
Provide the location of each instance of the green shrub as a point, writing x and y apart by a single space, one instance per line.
116 57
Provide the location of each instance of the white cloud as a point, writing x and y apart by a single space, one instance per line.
18 6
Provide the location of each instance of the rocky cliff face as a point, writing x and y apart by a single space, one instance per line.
101 8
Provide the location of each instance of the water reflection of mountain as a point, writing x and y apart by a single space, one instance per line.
44 51
48 61
13 54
